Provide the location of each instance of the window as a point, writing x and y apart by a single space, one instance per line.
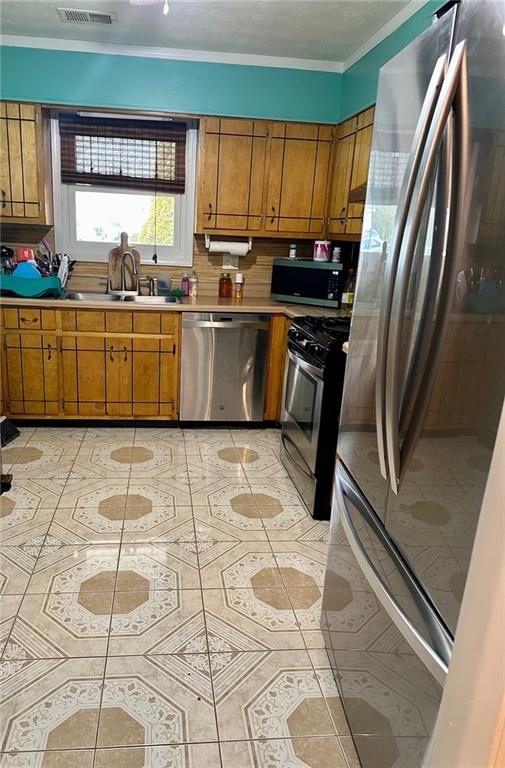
115 174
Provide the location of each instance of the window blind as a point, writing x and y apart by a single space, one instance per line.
130 154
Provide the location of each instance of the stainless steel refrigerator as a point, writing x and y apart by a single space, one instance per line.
425 381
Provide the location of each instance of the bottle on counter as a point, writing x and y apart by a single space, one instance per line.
239 286
225 286
185 284
292 251
193 285
336 255
349 290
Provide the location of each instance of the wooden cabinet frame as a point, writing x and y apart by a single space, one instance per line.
100 364
24 148
104 365
307 172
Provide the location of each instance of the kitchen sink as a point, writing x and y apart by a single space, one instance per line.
153 299
80 296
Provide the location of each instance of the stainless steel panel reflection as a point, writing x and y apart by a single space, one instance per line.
434 519
402 87
301 410
298 471
390 698
223 366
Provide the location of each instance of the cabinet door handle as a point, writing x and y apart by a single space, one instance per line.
273 215
4 204
209 215
110 354
29 322
125 354
49 352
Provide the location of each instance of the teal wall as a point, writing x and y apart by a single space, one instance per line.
129 82
359 87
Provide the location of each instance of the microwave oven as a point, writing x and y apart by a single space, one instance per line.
307 282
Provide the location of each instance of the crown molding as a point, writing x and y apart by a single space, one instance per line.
219 57
392 25
179 54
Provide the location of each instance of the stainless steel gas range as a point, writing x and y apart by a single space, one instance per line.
311 405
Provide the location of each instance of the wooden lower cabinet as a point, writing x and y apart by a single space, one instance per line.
30 374
119 377
84 376
96 364
154 380
275 371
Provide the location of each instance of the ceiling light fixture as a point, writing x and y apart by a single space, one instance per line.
166 8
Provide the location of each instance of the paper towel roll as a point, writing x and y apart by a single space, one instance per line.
235 248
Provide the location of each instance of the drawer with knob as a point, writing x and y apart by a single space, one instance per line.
28 319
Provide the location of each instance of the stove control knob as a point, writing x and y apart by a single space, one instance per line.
314 349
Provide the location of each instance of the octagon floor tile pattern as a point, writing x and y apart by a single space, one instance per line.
159 599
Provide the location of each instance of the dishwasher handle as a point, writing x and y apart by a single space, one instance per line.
228 324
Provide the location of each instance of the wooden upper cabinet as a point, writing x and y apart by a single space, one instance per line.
22 197
341 184
297 179
350 174
231 173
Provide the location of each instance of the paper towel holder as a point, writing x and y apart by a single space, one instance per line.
230 260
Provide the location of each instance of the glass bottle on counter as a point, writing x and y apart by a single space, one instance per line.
185 284
349 290
336 255
239 286
225 286
193 285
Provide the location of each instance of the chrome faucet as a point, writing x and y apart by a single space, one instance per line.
123 271
151 282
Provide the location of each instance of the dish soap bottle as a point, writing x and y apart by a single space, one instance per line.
193 285
185 284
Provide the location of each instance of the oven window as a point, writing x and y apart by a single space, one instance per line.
301 398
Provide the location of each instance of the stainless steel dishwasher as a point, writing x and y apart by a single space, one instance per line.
223 369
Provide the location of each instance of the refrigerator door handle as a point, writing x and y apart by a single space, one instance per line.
448 95
455 237
437 262
407 189
436 659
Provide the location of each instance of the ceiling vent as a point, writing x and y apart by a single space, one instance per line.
77 16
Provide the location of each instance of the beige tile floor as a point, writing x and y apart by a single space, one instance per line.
160 592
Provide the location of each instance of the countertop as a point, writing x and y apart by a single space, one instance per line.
198 304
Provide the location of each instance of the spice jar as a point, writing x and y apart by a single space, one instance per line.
239 286
225 286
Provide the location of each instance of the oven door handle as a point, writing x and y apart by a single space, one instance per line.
285 439
305 366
